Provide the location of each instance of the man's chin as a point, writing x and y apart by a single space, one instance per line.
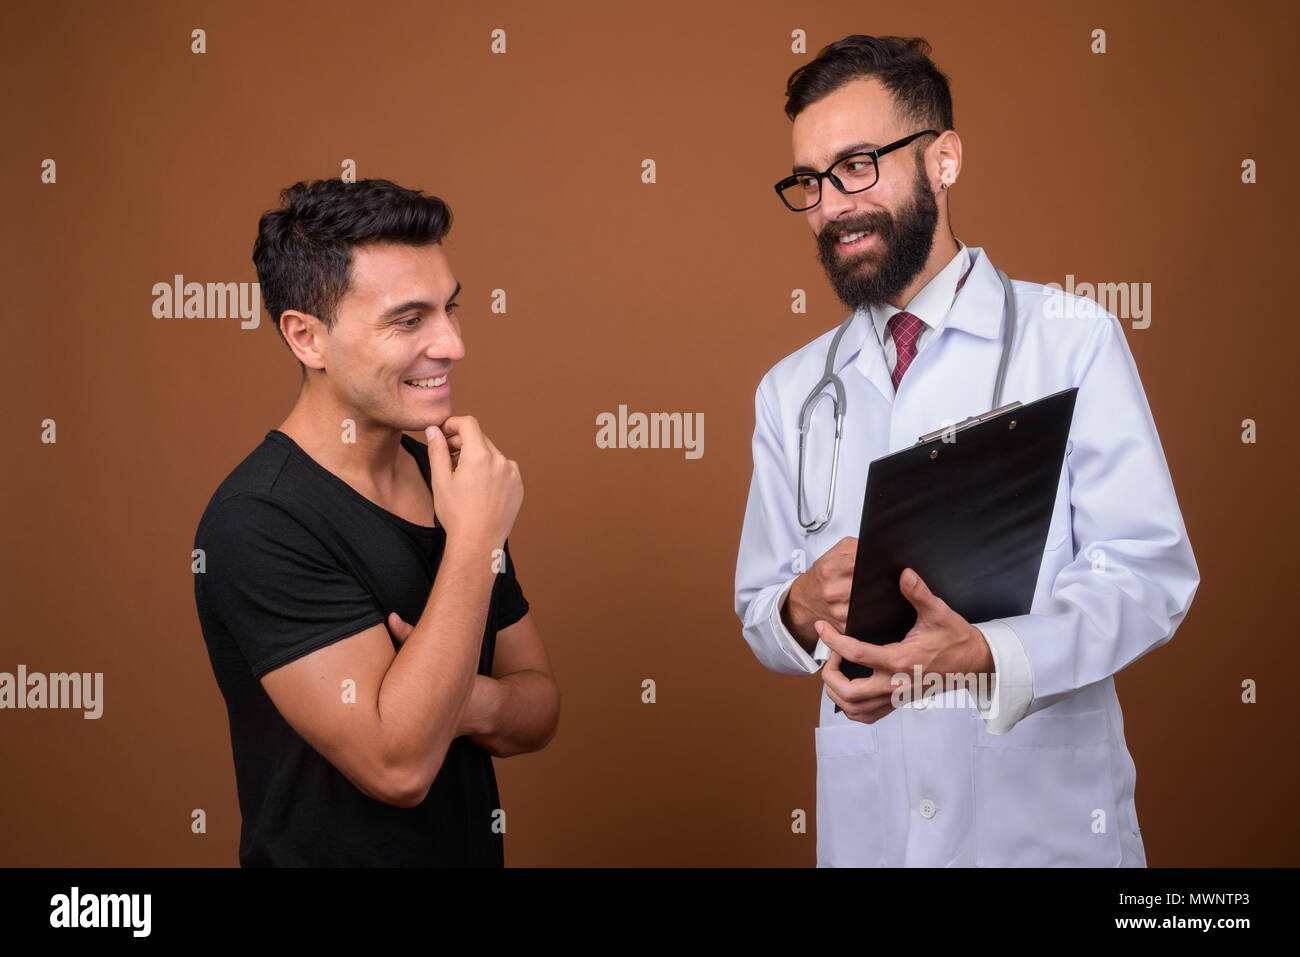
852 291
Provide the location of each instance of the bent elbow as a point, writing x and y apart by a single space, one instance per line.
409 796
406 783
409 787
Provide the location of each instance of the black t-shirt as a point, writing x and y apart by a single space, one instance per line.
297 559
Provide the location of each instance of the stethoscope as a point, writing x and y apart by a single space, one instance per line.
838 401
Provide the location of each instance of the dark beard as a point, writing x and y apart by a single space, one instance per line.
902 246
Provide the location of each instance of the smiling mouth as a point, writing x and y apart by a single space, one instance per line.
427 383
848 243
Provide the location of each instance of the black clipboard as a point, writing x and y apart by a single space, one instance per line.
968 508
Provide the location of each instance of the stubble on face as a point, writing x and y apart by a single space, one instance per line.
878 275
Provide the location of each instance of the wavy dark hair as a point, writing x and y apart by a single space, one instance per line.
902 65
303 251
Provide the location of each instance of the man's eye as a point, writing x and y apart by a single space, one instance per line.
452 307
409 322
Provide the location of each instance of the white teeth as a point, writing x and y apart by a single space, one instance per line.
852 237
427 383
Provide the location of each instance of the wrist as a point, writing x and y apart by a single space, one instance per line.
472 550
486 699
987 664
795 617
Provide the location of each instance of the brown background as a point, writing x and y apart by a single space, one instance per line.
675 296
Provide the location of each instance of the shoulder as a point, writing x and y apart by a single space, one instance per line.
252 492
797 372
1050 301
1062 321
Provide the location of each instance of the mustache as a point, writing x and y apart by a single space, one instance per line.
872 222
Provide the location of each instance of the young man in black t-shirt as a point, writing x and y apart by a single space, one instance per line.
360 739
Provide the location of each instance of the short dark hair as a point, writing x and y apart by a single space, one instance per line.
903 65
303 251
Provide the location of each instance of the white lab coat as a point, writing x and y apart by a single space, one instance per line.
931 786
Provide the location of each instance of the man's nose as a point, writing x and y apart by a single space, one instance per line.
834 204
446 342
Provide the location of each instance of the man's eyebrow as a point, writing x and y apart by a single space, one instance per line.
390 314
847 151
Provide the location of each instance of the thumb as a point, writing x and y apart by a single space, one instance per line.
916 592
400 629
439 457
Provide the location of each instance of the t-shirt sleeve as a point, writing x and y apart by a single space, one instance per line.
275 586
511 605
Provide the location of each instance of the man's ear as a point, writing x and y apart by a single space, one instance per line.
305 334
949 158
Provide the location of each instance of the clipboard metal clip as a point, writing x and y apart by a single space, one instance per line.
967 423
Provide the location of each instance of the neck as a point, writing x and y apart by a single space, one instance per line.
364 452
941 253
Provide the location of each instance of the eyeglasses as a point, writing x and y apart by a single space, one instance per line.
852 174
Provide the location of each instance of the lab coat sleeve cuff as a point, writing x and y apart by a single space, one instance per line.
1012 686
788 643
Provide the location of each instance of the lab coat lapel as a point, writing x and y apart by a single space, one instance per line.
869 358
978 306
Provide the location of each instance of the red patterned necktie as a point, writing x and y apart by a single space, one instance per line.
906 330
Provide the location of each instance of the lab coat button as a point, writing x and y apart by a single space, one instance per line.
928 809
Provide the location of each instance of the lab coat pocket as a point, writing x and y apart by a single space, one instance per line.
1044 795
850 806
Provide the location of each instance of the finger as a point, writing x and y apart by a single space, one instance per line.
850 649
900 687
862 693
866 710
872 715
928 605
477 439
839 685
400 629
847 707
439 458
456 424
840 589
462 429
840 613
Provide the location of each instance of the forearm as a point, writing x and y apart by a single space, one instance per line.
518 713
427 687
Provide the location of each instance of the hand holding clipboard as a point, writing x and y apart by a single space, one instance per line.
968 509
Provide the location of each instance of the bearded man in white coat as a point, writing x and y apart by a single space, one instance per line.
1037 772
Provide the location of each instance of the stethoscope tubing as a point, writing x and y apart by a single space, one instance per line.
839 401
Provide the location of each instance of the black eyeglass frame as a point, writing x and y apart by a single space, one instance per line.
875 155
